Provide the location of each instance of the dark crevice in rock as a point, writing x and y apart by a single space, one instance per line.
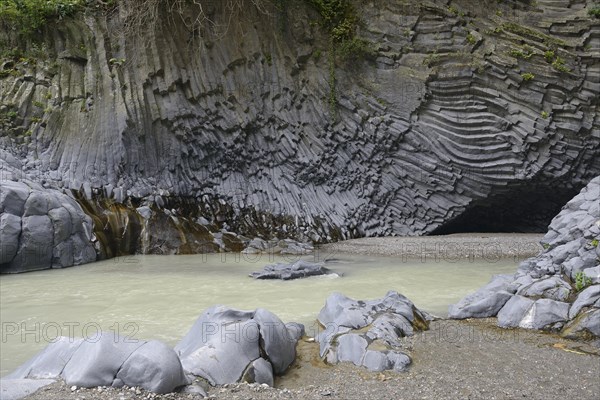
524 208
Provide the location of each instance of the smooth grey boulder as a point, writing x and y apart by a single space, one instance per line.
593 273
326 339
111 360
36 204
521 280
351 348
10 229
258 244
61 223
295 270
481 304
13 196
41 228
278 345
587 297
259 371
14 389
223 342
514 310
340 310
206 327
376 361
154 366
564 252
399 360
222 361
50 362
585 326
36 240
545 312
368 333
573 266
554 288
486 302
96 363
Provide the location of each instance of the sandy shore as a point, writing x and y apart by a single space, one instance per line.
471 359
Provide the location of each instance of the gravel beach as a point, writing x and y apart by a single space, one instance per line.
490 246
469 359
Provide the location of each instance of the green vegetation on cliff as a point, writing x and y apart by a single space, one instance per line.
340 20
30 15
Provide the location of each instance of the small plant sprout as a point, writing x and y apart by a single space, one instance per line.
582 281
471 38
559 65
527 76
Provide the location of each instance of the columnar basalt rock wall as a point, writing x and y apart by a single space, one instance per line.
462 115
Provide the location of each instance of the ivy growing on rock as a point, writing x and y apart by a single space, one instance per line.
340 20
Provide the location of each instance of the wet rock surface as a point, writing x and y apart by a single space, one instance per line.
557 290
295 270
369 333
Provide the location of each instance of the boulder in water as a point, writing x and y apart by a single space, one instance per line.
295 270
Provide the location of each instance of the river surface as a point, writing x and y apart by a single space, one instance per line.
159 297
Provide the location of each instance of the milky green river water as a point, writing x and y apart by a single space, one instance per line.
159 297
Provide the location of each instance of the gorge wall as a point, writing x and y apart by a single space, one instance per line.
462 117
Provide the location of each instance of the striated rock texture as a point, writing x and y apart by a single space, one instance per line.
560 288
468 117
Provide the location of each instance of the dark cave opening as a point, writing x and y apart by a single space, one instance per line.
522 209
